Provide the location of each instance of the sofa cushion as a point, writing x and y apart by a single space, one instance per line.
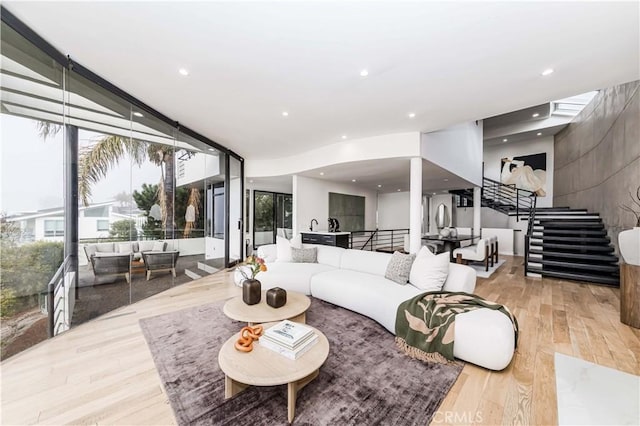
268 252
159 246
283 247
124 248
291 276
365 261
368 294
328 255
90 250
429 272
304 255
399 267
146 245
105 248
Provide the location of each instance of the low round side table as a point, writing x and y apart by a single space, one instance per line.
264 367
294 310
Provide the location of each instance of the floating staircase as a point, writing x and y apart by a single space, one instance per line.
503 198
570 244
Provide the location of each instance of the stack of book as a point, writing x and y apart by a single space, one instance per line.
289 339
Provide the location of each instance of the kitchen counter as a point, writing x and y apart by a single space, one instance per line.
336 239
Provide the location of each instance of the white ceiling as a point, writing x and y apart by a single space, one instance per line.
448 62
392 174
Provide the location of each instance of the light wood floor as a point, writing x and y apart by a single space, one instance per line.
102 372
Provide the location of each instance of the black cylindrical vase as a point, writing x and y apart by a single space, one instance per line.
251 291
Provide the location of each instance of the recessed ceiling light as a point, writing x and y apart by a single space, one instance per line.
353 180
211 149
321 173
285 114
399 190
364 73
536 115
183 71
435 193
548 71
446 180
379 186
505 140
344 136
412 115
138 114
539 134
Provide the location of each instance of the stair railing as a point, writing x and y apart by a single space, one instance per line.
506 197
529 234
378 239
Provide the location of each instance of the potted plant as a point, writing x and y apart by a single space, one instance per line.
629 240
251 287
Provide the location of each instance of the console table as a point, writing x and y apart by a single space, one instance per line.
630 295
336 239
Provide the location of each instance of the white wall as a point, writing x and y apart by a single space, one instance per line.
397 145
284 186
311 201
494 154
196 168
457 149
393 210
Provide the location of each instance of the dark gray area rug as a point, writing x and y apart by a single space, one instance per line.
365 380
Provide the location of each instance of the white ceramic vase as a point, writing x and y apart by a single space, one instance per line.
629 245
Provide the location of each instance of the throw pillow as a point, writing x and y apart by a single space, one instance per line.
158 246
309 255
146 246
283 248
124 248
399 267
429 271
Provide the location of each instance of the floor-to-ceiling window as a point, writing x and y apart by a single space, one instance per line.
103 200
32 228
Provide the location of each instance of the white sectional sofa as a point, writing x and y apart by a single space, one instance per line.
354 279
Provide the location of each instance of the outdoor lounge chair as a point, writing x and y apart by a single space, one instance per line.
111 264
160 261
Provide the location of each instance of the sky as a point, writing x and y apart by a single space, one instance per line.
31 169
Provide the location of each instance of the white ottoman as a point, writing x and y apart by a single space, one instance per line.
484 337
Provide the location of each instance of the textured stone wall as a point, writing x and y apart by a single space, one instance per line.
597 157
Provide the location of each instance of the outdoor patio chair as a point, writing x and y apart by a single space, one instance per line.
160 261
111 264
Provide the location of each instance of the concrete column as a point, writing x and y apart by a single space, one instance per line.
415 206
477 208
294 206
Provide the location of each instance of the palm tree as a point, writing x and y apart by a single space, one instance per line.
95 161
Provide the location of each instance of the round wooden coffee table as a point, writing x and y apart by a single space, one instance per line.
295 309
264 367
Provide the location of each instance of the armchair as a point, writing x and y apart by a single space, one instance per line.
479 252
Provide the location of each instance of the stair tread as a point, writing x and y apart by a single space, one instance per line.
564 220
573 224
553 231
578 239
581 277
574 247
567 255
604 267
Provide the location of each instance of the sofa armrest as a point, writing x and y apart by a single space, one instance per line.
460 278
268 252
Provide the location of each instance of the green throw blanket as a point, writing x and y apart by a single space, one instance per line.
425 323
